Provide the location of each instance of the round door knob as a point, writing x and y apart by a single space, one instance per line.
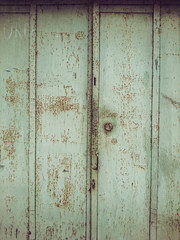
108 126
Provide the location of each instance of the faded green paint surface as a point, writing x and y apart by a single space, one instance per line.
58 92
169 144
125 101
14 125
61 122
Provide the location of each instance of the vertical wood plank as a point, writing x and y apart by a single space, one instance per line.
95 120
32 95
155 121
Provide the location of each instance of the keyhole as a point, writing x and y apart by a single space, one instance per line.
108 126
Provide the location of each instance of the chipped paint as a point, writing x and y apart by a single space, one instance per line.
14 126
80 35
125 102
56 105
9 138
133 107
61 122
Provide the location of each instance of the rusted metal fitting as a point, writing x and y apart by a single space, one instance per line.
108 126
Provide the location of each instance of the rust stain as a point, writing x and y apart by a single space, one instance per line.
123 120
10 89
66 163
172 223
53 139
135 157
114 140
10 230
9 202
65 37
65 137
38 182
61 192
69 89
66 193
12 99
173 54
75 56
80 35
49 232
39 111
127 120
125 91
10 86
56 105
139 166
107 114
9 137
12 96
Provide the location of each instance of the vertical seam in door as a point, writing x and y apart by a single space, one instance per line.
32 126
151 123
89 113
35 107
158 122
95 120
155 122
29 136
98 119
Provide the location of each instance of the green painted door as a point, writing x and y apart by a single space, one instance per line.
125 102
89 120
